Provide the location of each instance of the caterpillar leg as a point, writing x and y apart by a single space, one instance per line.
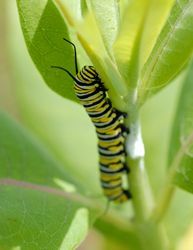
125 130
121 113
128 194
102 87
126 168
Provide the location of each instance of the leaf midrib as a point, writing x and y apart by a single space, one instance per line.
42 188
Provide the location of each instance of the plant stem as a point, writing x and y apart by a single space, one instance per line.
142 196
169 188
138 180
151 235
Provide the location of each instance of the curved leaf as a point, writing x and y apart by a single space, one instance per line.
44 29
75 8
157 14
127 45
171 52
140 26
107 17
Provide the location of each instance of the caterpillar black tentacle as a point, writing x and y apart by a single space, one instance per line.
110 129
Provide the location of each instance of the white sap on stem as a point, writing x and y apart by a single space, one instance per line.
134 144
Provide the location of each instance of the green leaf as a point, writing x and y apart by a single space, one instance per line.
74 6
171 52
156 16
182 128
35 212
44 29
84 8
32 219
140 26
127 44
122 7
107 18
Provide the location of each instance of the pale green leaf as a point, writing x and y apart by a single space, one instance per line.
74 6
127 44
107 18
122 7
158 11
171 52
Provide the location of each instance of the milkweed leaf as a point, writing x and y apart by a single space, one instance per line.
127 45
107 18
44 29
33 207
171 52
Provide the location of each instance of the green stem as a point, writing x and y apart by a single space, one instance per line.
141 191
142 196
169 188
151 235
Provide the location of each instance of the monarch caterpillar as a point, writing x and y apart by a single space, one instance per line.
109 126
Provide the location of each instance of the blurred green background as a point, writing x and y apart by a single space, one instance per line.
63 126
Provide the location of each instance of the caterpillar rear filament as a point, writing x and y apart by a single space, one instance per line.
110 129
